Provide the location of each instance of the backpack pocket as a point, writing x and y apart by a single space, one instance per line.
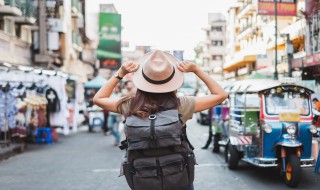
160 173
127 172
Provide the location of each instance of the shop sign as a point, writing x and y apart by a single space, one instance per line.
316 71
313 59
285 7
109 49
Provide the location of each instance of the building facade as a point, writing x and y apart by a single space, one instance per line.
17 22
251 40
213 48
48 34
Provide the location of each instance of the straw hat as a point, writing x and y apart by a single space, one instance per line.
158 73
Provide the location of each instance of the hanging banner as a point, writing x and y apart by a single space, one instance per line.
109 49
285 7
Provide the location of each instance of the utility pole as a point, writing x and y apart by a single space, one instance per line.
42 57
289 51
42 27
276 39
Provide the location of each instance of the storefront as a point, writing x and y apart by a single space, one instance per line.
34 103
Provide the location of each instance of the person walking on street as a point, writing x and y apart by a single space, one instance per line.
114 117
157 77
129 88
105 122
316 111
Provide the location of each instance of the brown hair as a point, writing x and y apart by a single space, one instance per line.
144 103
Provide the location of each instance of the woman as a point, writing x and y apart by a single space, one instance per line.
157 77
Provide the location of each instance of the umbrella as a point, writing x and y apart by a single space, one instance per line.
96 82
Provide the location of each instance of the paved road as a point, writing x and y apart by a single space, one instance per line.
89 161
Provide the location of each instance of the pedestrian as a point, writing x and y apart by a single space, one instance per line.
114 117
157 77
129 88
316 111
105 122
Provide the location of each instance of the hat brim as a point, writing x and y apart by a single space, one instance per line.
142 84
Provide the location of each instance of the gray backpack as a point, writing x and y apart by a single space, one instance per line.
159 155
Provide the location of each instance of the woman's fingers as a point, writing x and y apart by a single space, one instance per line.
180 67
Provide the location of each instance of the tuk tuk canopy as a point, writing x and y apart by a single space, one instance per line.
253 85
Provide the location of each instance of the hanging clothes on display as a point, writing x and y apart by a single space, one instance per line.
8 110
36 111
53 102
60 118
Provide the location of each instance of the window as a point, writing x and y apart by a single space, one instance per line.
287 102
217 42
217 57
216 28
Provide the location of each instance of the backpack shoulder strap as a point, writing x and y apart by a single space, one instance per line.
185 137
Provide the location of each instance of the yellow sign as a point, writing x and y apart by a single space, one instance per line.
291 117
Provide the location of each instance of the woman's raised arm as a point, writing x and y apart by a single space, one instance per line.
102 97
217 95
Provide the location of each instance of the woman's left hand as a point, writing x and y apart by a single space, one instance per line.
128 67
187 66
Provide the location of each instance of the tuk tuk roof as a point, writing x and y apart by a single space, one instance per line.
253 85
258 85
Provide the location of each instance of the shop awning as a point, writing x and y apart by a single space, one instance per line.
295 30
108 54
239 62
96 82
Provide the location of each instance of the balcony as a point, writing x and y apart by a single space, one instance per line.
10 8
76 8
23 11
248 8
245 31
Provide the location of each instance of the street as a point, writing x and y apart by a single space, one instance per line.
89 161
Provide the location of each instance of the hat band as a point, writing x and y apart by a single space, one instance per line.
158 81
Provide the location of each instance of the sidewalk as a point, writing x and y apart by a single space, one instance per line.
7 151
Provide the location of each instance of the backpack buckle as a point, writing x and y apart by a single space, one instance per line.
152 117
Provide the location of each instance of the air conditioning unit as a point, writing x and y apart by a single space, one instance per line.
56 25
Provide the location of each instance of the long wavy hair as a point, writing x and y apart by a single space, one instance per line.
144 103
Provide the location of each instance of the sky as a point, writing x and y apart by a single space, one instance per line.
167 24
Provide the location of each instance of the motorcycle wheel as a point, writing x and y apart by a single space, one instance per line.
292 175
232 156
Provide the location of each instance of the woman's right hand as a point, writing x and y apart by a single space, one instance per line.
187 66
128 67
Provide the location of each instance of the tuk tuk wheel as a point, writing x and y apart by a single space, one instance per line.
293 171
89 128
232 156
216 146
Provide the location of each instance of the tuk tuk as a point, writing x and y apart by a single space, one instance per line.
270 126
